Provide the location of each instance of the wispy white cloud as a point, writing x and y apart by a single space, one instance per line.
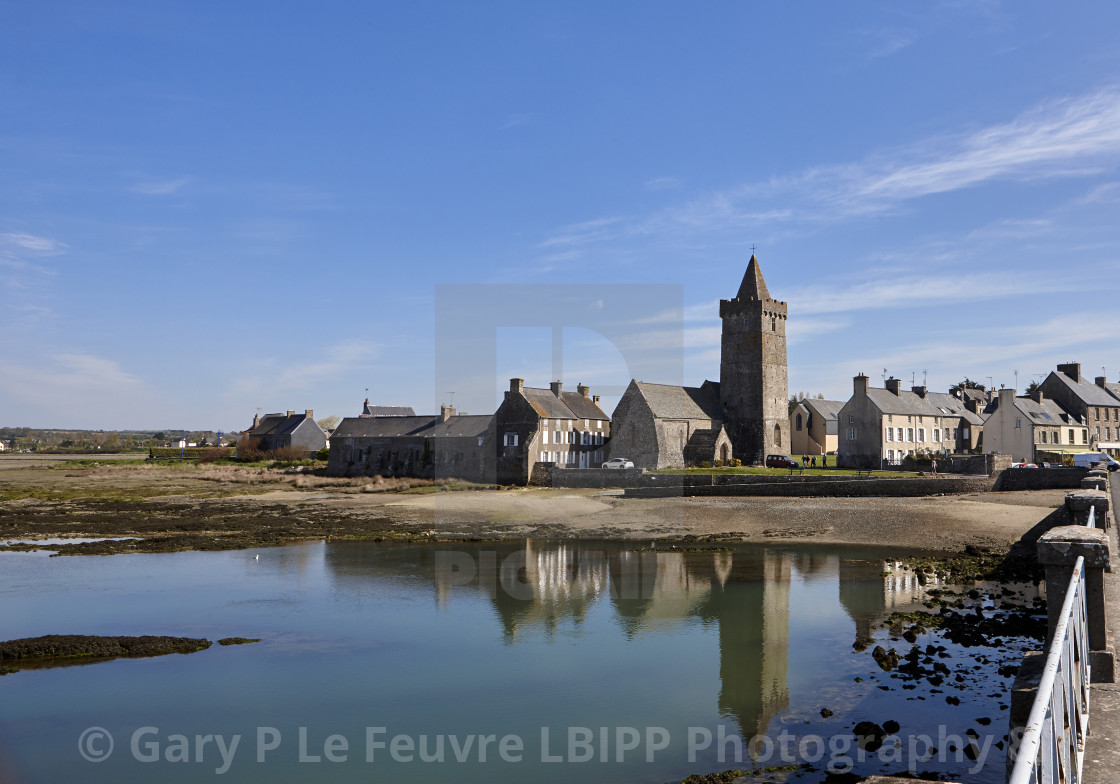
337 359
1073 137
68 381
161 187
884 42
31 242
514 120
662 183
911 291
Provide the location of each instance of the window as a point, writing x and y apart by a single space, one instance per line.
936 435
1084 436
910 434
544 457
571 436
909 420
557 439
510 439
1096 433
585 438
890 434
901 436
797 422
890 418
919 419
890 455
921 433
851 434
480 440
1107 434
1018 423
598 424
545 434
851 419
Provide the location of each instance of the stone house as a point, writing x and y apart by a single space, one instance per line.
446 446
1031 426
963 418
1094 403
277 431
883 426
813 427
663 426
1112 446
566 429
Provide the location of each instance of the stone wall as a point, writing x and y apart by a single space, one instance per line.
547 476
1041 478
669 485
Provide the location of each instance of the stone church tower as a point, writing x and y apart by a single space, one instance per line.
753 379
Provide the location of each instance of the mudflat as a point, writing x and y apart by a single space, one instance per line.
208 507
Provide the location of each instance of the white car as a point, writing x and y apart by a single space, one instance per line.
618 462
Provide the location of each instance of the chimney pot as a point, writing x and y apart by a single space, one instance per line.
894 386
582 389
859 385
556 388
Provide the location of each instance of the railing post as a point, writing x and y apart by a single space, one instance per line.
1058 549
1079 502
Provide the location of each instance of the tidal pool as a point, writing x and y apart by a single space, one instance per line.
537 660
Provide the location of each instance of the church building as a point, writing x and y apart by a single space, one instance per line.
744 416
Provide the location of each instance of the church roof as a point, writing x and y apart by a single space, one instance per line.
753 285
672 402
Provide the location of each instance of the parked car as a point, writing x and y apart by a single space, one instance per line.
779 461
618 462
1086 460
1023 465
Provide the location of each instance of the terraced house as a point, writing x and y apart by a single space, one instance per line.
1033 428
551 426
881 426
1095 403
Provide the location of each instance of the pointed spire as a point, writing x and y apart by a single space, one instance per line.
753 286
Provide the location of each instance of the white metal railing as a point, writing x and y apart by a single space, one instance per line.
1053 744
1092 517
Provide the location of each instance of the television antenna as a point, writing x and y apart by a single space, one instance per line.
884 376
1016 372
925 378
451 398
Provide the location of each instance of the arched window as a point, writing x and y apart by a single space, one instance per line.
777 436
799 421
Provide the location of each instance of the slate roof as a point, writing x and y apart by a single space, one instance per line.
672 402
948 405
1048 412
570 405
1114 390
825 409
387 411
1088 393
418 426
905 402
753 285
278 424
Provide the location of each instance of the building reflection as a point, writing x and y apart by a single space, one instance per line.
545 587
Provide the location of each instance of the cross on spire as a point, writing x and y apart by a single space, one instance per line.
752 248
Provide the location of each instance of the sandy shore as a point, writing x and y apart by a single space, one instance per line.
201 507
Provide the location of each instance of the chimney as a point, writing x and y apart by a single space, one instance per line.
1071 369
584 390
1007 398
894 386
517 385
256 421
595 399
446 412
556 388
1101 381
859 385
309 413
1037 396
290 413
919 391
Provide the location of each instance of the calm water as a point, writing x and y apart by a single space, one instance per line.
514 639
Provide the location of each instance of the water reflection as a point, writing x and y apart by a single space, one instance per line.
546 588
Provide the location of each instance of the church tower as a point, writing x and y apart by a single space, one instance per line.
753 379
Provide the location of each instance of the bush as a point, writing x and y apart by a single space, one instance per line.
323 454
705 464
736 462
249 450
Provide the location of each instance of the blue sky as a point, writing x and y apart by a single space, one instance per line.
206 208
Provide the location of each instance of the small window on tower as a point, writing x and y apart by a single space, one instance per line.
773 325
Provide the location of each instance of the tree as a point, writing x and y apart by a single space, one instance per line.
329 422
966 384
1032 388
